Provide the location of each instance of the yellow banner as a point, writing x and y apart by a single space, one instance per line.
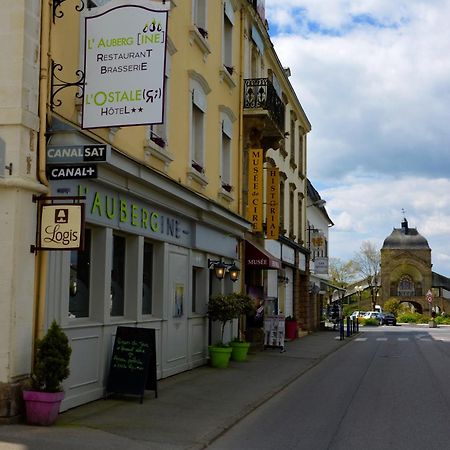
273 203
255 189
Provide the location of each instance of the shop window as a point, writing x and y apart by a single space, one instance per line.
199 281
80 266
117 276
147 276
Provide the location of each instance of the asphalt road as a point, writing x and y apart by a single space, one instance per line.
387 389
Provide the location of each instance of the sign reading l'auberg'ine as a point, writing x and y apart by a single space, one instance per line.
124 64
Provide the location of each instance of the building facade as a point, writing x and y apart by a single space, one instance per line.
165 201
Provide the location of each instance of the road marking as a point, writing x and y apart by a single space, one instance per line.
361 339
403 339
382 339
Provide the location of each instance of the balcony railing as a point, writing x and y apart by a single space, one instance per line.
260 93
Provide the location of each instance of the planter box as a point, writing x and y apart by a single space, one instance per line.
42 408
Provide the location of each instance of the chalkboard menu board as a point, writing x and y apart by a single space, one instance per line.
133 362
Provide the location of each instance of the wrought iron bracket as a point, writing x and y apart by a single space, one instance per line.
57 84
57 13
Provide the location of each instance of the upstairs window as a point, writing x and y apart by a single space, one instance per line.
228 21
199 16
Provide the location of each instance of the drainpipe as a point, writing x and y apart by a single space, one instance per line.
41 257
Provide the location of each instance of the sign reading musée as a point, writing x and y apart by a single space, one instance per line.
124 64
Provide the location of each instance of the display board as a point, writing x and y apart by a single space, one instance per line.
133 362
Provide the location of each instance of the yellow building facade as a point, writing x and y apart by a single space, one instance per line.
163 202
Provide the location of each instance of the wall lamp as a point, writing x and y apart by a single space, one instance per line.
220 268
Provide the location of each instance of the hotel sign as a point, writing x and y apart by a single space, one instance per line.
61 226
255 189
273 203
124 63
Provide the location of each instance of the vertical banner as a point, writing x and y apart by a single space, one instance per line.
124 64
255 189
273 203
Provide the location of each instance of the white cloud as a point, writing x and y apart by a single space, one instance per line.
373 78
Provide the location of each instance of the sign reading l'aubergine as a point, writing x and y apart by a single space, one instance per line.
124 63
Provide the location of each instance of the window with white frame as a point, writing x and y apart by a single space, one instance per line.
198 111
228 21
301 148
199 16
225 169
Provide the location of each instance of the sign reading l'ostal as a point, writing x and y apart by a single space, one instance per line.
61 226
124 64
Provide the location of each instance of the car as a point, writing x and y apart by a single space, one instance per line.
374 315
356 314
389 319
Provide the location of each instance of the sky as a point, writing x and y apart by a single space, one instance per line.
373 77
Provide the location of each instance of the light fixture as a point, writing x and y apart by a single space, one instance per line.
220 268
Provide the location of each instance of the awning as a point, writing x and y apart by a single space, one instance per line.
257 257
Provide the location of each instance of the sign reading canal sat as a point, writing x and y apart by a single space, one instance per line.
124 64
61 226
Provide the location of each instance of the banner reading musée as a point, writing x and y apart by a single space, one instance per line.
124 64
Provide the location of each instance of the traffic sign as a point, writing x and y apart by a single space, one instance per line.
429 296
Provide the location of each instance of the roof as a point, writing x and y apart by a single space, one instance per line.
315 197
405 238
439 281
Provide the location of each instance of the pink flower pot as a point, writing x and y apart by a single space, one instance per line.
42 408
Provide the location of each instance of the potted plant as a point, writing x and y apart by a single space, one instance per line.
51 367
223 308
240 346
291 328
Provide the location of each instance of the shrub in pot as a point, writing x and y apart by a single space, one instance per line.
51 367
224 308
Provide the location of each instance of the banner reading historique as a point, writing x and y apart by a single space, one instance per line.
124 64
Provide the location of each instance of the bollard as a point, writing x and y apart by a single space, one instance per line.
348 326
341 329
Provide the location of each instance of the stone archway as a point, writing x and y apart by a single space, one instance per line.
417 306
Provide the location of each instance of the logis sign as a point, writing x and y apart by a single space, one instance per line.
124 63
61 226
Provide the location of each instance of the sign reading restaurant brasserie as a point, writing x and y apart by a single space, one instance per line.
124 64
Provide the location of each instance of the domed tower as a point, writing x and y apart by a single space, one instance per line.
406 266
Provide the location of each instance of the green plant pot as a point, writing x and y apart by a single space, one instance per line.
239 350
219 356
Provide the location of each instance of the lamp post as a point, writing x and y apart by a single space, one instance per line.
359 290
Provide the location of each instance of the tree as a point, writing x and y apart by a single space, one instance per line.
342 273
392 306
367 263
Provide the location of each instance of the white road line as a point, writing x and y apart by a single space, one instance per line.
403 339
382 339
361 339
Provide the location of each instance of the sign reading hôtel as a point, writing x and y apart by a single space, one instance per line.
124 63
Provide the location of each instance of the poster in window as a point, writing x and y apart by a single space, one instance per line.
178 300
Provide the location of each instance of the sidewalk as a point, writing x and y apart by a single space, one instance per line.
191 410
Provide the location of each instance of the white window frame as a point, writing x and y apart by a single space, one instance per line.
200 14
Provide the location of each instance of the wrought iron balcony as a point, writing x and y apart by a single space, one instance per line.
259 94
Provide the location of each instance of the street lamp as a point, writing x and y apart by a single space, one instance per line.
220 268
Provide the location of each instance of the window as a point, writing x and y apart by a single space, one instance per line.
300 220
228 20
292 137
197 138
80 266
301 149
199 16
147 278
282 185
225 167
406 287
199 293
117 276
199 89
291 209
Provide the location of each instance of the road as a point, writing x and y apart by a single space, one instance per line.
389 388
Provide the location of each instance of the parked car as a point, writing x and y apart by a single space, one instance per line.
389 319
374 315
356 314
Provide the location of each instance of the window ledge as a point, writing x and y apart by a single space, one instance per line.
225 76
194 175
151 148
225 195
200 41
